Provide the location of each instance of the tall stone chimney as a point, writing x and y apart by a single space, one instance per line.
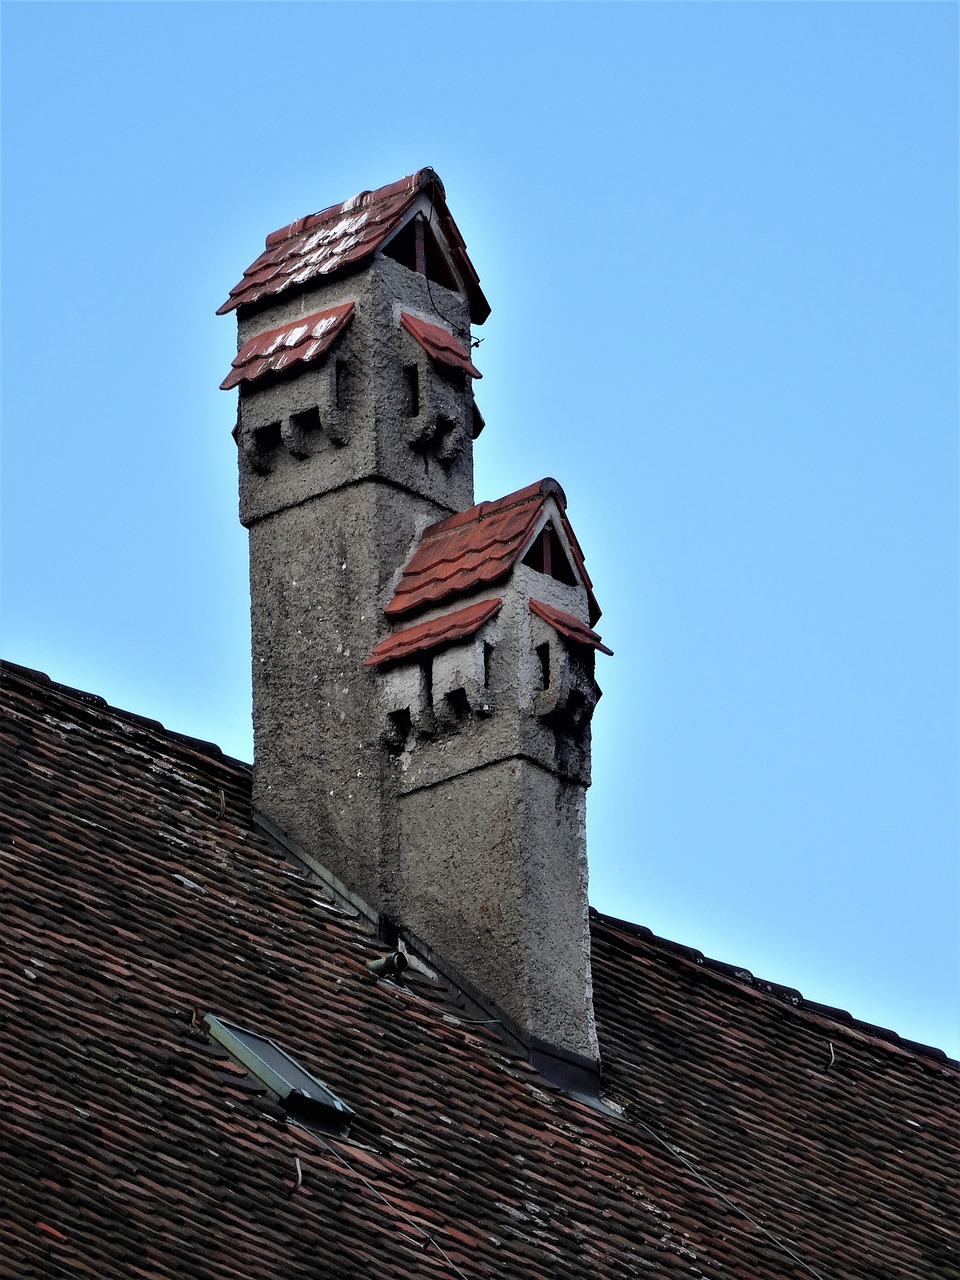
422 667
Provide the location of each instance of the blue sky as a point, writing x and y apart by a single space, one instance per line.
720 245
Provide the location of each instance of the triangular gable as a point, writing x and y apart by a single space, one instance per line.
418 247
347 235
549 554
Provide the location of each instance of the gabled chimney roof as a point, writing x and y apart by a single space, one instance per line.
478 547
345 236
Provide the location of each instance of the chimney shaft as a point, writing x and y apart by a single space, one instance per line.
421 732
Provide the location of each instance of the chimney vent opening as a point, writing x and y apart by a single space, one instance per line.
543 657
411 374
547 556
417 248
341 384
266 444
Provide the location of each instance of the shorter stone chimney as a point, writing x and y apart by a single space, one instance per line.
487 689
423 668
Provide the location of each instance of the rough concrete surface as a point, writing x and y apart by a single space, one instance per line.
447 791
494 876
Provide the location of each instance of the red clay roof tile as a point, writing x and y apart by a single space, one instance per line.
480 546
346 235
299 342
434 634
440 344
568 626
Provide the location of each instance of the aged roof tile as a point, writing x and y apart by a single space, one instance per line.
760 1136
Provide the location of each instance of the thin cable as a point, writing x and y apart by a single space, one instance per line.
674 1151
399 1212
457 328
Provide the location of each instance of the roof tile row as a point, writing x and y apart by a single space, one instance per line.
567 625
426 636
478 547
440 344
345 236
299 342
127 1153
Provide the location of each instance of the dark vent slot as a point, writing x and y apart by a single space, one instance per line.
402 248
411 374
268 438
398 729
308 420
458 704
543 657
547 556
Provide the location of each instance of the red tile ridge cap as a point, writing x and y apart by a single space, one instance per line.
362 200
546 488
439 344
568 625
434 633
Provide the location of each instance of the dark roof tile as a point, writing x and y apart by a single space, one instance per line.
127 1136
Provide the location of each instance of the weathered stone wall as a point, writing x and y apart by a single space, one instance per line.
331 522
494 876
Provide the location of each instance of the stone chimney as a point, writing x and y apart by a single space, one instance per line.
422 667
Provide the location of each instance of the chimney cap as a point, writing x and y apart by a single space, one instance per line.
480 546
344 237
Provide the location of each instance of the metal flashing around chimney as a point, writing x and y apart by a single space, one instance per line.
576 1074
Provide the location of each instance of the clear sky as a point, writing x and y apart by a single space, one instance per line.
720 243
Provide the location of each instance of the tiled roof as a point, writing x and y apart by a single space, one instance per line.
569 626
440 344
479 546
434 634
345 236
762 1137
296 343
